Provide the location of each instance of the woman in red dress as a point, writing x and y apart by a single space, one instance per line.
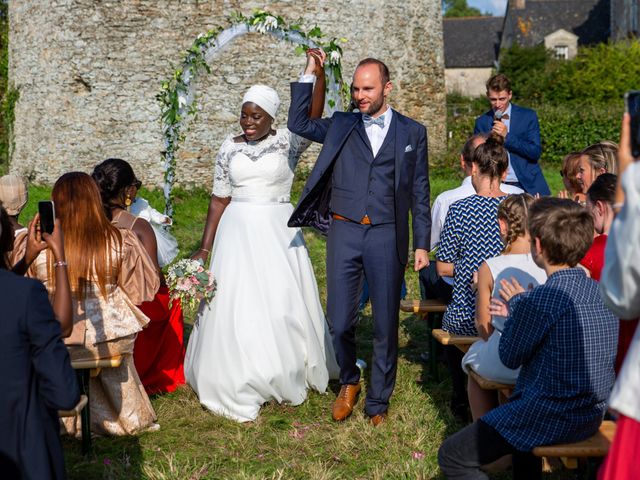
159 349
600 199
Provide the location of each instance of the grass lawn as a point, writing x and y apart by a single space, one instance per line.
285 442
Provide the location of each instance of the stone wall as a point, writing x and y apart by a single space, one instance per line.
470 82
88 72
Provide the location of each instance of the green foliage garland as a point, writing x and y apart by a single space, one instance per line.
177 96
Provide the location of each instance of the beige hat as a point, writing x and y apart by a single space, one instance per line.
13 194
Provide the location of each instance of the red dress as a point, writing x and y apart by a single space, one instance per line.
594 261
159 349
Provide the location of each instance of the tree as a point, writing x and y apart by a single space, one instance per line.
459 8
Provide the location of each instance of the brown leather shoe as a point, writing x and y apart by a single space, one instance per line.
346 400
378 419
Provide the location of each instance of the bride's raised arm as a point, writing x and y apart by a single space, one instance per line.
319 89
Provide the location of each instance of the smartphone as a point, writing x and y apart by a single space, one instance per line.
632 106
47 216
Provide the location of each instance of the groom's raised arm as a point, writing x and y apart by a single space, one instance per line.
299 121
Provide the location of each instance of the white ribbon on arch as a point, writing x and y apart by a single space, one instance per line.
186 94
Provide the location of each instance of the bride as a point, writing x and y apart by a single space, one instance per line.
264 335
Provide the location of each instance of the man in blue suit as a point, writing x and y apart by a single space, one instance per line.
521 131
37 380
371 171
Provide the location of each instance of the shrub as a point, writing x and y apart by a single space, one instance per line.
599 74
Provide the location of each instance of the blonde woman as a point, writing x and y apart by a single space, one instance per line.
515 262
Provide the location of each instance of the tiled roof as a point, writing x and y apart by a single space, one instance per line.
588 19
471 41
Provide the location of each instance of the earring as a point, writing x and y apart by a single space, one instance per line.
127 201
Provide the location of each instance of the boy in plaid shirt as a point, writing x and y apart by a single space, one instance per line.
565 340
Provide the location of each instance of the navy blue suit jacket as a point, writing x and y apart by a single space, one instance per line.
37 381
411 170
523 144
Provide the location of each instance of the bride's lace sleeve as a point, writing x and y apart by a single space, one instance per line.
221 179
297 146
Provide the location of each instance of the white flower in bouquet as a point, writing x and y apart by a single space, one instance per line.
334 57
190 283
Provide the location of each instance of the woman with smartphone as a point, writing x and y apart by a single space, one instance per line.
109 272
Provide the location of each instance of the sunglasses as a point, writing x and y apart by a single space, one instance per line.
137 184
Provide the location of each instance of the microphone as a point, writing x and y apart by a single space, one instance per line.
497 115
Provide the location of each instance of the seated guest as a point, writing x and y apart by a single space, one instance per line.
563 338
595 160
431 285
37 377
109 272
620 288
14 196
569 172
600 201
515 262
470 235
600 198
159 349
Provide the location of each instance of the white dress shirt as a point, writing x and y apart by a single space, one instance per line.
511 173
376 134
620 289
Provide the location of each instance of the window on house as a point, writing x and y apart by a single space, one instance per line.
561 52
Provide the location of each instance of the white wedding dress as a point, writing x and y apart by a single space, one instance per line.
264 336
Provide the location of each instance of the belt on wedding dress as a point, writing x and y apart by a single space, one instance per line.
263 200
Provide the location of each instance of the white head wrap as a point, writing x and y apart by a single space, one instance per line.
265 97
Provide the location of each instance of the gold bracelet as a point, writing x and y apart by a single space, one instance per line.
205 250
60 263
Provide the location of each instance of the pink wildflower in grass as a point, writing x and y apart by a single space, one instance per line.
417 455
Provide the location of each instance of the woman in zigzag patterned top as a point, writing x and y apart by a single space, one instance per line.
470 236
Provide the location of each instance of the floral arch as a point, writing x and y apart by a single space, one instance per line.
178 96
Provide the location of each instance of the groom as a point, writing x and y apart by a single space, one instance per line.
371 170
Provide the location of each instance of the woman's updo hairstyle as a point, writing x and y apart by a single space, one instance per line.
603 155
514 211
491 157
113 176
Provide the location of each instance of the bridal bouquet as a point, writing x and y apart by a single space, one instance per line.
190 282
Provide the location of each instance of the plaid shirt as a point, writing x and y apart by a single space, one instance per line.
565 339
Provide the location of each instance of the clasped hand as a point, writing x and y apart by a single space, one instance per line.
315 62
508 290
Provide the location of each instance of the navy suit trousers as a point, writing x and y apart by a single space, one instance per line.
355 252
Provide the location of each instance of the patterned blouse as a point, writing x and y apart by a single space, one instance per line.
470 235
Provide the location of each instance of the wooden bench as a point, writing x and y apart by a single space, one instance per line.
85 370
487 384
463 342
432 311
75 411
596 446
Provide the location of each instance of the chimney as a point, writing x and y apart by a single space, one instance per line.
518 4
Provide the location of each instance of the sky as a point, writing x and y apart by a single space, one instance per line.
496 7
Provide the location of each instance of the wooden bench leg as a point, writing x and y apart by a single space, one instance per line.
434 320
84 379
